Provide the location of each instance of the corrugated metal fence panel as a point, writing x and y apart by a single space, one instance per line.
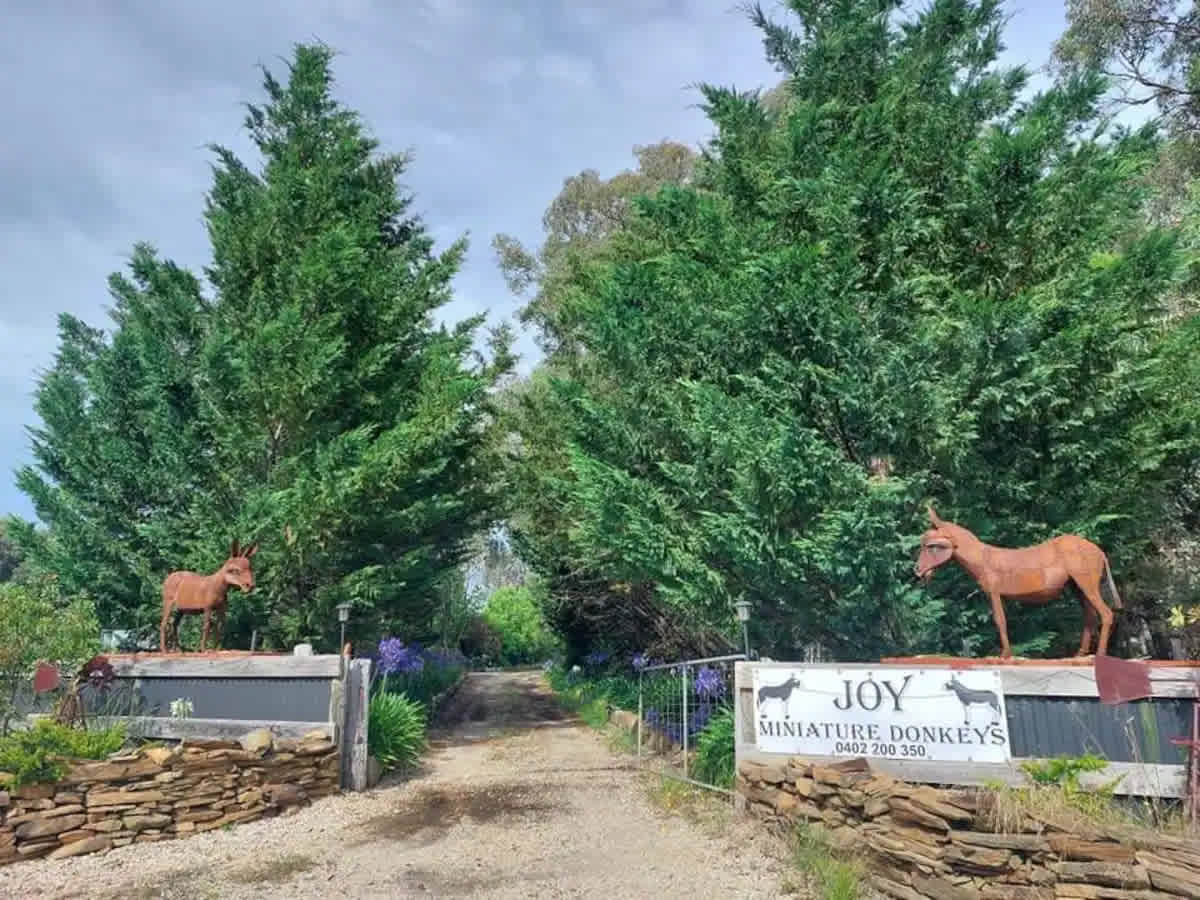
285 699
1141 731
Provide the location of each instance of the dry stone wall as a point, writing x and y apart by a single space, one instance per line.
924 843
164 792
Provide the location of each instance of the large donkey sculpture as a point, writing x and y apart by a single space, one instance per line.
1030 575
190 593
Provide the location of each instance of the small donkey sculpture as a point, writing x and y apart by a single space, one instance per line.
190 593
1030 575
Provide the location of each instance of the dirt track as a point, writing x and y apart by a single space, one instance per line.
515 801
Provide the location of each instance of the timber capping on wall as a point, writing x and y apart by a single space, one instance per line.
197 665
1026 679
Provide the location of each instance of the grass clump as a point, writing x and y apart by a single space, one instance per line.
831 877
594 712
672 796
395 730
698 806
621 740
40 753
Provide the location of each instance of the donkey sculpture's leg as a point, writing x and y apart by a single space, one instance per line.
162 628
219 631
1001 625
1090 585
1089 626
207 623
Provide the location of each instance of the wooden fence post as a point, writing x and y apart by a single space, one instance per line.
355 702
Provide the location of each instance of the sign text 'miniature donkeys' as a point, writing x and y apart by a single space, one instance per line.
893 713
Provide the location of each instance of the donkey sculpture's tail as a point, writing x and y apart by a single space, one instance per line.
1112 588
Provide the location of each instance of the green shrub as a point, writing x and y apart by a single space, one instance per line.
714 761
515 616
395 730
1064 771
37 755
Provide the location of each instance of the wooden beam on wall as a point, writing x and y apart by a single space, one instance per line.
324 666
163 728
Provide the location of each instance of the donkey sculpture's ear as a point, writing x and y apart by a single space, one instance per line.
251 550
933 517
233 548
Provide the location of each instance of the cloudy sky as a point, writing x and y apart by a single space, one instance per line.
107 107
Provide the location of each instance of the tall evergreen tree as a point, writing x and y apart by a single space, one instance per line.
310 403
899 283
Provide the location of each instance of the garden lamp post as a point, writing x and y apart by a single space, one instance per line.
343 611
743 613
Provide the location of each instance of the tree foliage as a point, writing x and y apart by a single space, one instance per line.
1149 48
10 555
904 283
305 399
585 214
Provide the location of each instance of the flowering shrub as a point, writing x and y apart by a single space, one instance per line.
397 658
420 674
709 683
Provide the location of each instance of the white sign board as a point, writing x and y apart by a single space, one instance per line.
890 713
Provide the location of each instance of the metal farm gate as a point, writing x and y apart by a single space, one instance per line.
677 701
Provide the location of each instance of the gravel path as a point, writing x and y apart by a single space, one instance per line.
514 801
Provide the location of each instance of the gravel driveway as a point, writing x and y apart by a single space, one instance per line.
514 801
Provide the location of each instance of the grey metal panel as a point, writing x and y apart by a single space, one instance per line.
281 699
1141 731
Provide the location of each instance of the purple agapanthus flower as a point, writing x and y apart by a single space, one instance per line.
709 682
597 658
639 661
397 659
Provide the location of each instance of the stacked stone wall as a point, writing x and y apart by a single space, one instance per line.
923 843
164 792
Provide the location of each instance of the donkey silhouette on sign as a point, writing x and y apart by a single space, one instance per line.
969 697
780 692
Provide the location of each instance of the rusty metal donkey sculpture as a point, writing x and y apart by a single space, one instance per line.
190 593
1030 575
